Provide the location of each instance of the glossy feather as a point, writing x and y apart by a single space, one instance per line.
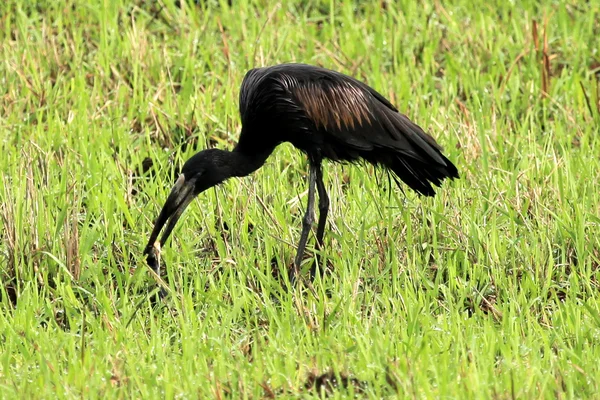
333 116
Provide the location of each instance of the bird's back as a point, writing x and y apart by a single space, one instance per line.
331 115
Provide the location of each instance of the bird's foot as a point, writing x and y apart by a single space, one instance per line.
319 267
294 274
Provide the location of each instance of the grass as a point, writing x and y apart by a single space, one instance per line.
488 290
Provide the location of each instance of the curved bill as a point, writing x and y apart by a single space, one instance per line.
180 197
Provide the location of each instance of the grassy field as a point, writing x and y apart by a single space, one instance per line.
488 290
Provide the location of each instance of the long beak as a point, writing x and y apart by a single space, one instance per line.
180 197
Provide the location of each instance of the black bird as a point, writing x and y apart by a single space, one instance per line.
325 114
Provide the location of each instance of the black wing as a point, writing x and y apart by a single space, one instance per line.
346 112
354 113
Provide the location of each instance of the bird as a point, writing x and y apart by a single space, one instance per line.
325 114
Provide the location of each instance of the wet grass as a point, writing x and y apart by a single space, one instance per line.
489 290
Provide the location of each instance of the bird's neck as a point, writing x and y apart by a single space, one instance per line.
246 160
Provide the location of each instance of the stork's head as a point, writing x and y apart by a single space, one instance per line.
203 171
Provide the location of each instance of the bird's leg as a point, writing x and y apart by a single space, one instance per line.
306 224
323 211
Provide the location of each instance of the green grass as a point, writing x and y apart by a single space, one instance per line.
488 290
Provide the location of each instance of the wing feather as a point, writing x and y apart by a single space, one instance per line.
356 114
339 106
331 115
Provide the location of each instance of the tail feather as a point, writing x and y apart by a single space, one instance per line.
420 175
416 158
